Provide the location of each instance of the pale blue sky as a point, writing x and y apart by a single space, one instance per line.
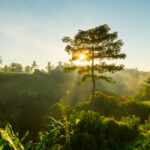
33 29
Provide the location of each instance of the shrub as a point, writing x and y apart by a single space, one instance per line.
95 132
135 108
57 111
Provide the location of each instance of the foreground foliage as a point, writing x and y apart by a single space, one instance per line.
10 141
85 131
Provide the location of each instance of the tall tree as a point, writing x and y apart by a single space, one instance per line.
49 67
1 61
95 45
34 65
60 65
6 68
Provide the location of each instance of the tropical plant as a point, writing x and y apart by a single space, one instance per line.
10 141
34 65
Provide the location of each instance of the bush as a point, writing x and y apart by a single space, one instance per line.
95 132
85 131
57 111
112 106
135 108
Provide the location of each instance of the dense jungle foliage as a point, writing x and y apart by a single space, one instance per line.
50 110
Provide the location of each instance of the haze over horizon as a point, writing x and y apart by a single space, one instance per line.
32 30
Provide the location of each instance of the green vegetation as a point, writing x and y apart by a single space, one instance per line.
85 131
26 100
118 123
144 92
48 110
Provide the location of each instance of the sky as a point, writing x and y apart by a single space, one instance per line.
33 29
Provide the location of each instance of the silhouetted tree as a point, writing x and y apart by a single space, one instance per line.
49 67
97 45
28 69
6 68
34 65
1 61
60 65
16 67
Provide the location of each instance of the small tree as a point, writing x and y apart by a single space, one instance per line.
95 45
28 69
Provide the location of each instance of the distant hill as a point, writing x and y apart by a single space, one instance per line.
65 86
25 83
127 82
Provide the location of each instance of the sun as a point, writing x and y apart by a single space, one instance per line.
82 60
82 57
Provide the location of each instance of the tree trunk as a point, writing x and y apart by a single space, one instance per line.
93 77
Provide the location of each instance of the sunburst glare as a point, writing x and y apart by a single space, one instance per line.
82 60
82 57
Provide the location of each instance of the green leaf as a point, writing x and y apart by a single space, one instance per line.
24 136
15 141
8 130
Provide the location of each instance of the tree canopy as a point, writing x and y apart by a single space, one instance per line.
95 45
